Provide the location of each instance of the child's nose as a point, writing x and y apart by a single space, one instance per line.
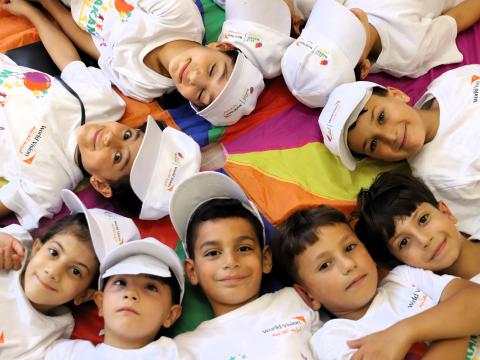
132 294
53 271
347 264
231 259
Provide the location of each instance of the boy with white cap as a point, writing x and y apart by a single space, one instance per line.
58 268
438 136
401 37
224 239
141 286
221 83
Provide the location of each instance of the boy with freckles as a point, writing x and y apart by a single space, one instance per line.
380 315
224 238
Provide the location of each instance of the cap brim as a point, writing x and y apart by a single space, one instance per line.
148 246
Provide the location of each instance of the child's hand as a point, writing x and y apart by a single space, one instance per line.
389 344
16 7
11 252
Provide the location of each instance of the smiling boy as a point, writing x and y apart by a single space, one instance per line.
438 136
223 235
332 269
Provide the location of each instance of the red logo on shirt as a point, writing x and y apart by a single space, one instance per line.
474 78
2 338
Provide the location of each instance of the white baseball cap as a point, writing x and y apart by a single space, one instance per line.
239 96
107 229
189 195
325 54
261 30
341 111
146 256
163 160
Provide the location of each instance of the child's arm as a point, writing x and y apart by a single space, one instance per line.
451 349
59 47
457 315
465 14
64 18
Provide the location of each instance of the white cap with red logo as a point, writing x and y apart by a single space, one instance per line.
325 54
163 160
341 111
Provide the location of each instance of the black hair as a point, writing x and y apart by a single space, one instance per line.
297 233
379 91
220 209
392 195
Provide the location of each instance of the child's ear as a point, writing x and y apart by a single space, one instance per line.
266 259
85 296
399 94
444 209
190 271
306 297
365 66
101 186
222 46
37 244
98 299
175 312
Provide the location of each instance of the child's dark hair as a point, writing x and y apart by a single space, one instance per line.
392 195
379 91
297 233
75 224
220 209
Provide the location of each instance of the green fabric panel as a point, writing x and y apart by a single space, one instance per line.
3 182
213 20
215 133
196 308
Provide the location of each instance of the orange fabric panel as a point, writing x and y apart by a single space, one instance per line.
15 31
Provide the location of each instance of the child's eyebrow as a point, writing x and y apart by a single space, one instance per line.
365 142
126 162
63 250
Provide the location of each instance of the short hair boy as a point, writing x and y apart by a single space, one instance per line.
141 287
401 37
399 219
364 119
332 268
223 235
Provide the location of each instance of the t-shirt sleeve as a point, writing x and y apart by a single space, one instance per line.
18 233
330 342
427 281
101 102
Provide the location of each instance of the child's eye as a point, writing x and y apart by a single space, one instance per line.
212 253
76 272
151 287
53 252
350 247
119 282
403 243
373 145
324 266
200 94
127 135
211 69
117 157
381 118
423 219
245 248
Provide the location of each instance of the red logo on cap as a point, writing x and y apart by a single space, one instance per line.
258 45
324 62
251 90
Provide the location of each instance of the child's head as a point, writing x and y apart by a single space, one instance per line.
399 218
326 53
223 236
364 119
223 80
120 159
142 284
326 260
61 266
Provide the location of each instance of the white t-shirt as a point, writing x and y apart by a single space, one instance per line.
38 121
124 32
274 325
415 36
26 333
164 349
405 291
450 163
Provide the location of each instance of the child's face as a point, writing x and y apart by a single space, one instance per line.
135 308
389 129
108 149
59 271
200 73
427 239
337 272
228 263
